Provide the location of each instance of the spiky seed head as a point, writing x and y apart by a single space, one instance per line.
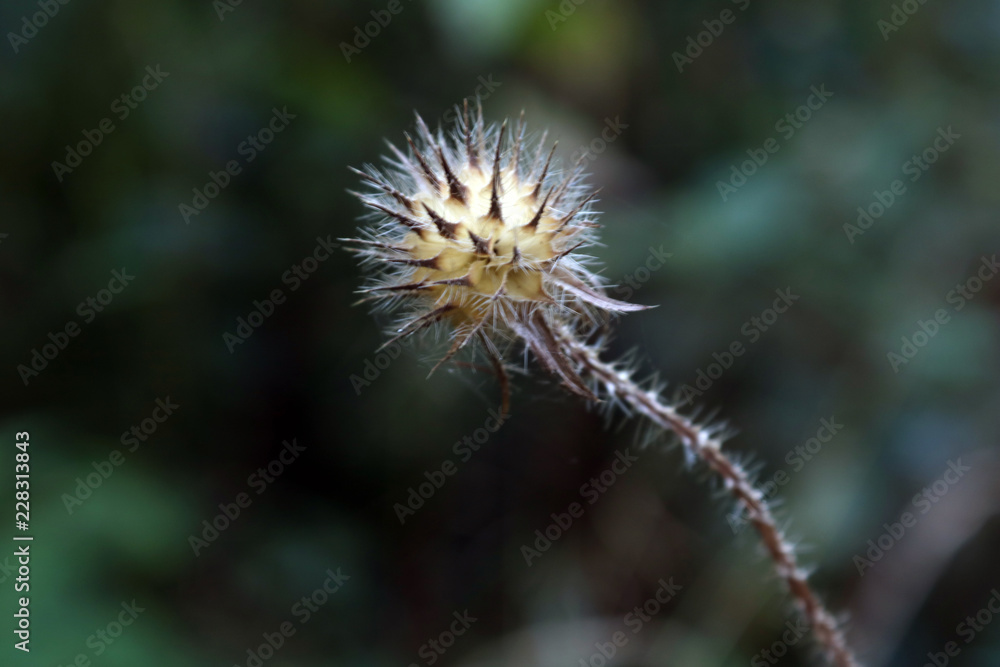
475 230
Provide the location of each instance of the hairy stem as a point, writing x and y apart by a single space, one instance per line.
706 446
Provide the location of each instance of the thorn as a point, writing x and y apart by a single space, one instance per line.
495 211
545 171
457 190
401 217
375 244
480 126
428 174
423 129
479 118
461 338
464 281
472 155
541 209
445 228
555 259
386 188
429 263
579 207
538 151
365 175
404 161
368 299
399 288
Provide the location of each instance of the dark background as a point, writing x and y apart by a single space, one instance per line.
162 336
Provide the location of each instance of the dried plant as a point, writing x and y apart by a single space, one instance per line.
479 234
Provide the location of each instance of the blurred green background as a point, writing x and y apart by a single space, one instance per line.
576 69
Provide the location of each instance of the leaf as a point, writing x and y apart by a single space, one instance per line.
575 286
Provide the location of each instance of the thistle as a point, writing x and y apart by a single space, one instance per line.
478 233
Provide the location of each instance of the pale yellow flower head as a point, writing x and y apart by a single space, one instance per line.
475 230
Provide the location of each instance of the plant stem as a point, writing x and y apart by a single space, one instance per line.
706 446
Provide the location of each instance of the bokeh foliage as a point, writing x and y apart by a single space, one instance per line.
333 507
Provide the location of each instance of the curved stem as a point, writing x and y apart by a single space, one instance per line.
705 444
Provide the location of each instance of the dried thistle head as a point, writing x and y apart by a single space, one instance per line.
479 231
471 232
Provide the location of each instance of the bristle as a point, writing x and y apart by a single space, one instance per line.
539 152
425 132
570 178
418 323
402 162
518 140
471 155
480 128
